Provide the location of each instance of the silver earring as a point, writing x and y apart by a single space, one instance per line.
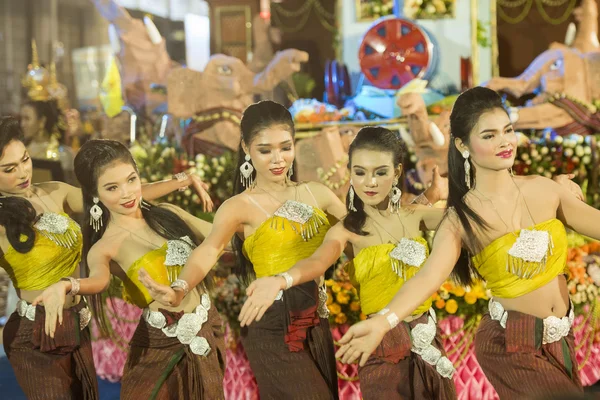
466 155
246 170
290 172
96 215
394 196
351 197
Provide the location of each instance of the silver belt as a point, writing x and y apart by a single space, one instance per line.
554 328
24 309
422 337
187 328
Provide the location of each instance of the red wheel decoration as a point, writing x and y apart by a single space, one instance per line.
394 51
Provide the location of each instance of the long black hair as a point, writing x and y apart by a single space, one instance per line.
17 214
91 161
55 119
467 110
375 138
256 118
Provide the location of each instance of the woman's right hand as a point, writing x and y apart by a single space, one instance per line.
261 295
53 299
164 294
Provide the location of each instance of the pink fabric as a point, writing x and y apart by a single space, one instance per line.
108 357
240 384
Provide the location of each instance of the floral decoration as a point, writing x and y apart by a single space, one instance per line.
429 9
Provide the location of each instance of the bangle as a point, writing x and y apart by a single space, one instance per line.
393 320
422 199
74 285
181 284
289 281
181 177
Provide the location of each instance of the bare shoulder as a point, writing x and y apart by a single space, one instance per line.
105 248
236 207
55 188
538 186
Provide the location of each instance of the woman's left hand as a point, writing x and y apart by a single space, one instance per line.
438 190
565 180
53 299
201 189
261 295
361 340
163 294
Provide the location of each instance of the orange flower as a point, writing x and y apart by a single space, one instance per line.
362 317
347 286
448 286
342 298
329 282
470 297
459 291
341 318
329 298
440 303
336 288
451 306
334 308
355 306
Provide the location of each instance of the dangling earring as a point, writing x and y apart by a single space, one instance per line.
96 215
394 197
290 172
246 170
351 197
510 171
466 155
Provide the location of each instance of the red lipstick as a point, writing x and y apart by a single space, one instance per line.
505 154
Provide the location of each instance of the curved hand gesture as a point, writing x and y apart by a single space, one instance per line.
201 189
361 340
53 299
261 295
163 294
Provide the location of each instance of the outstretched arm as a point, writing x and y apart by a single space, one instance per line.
203 258
53 298
363 338
576 214
262 292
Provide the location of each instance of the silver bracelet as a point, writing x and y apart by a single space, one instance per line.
181 284
289 281
422 199
74 286
181 177
393 320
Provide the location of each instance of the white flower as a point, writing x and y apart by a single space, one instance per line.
534 153
558 140
544 150
413 158
586 160
187 192
528 162
218 174
568 152
200 157
214 161
222 160
220 168
579 151
576 160
587 150
200 173
525 156
540 170
548 174
165 153
153 177
214 181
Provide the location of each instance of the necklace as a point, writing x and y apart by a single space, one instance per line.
529 254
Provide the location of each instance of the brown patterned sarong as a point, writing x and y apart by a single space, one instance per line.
291 349
161 367
51 369
395 372
519 366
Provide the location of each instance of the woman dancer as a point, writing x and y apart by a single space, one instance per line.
177 351
510 232
388 250
41 245
274 223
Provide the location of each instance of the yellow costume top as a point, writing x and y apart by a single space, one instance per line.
291 234
520 262
55 254
378 272
163 265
